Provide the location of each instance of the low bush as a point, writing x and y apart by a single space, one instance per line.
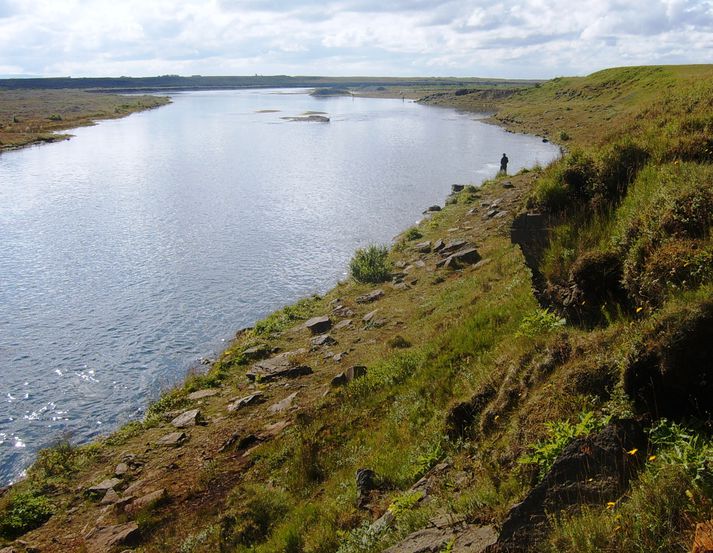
370 264
25 511
413 234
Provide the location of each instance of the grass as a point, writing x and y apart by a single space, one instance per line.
371 264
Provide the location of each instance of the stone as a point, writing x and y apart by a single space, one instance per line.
283 405
438 245
508 184
323 340
427 540
369 316
343 312
457 187
279 366
419 264
400 264
347 376
255 352
590 471
153 498
475 539
110 497
174 439
423 247
252 399
188 418
452 246
121 469
9 549
401 286
237 443
433 208
104 486
364 484
103 538
703 539
339 356
202 394
272 430
500 215
371 296
491 213
343 324
318 325
466 256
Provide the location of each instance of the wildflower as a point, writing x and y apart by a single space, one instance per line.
639 309
652 457
610 504
632 451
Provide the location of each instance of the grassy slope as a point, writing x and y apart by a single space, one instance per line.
465 331
33 116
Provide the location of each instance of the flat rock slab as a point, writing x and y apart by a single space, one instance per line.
174 439
279 366
428 540
475 539
187 419
371 296
466 256
423 247
323 340
152 498
121 469
103 538
201 394
104 486
343 324
318 325
110 497
255 352
451 247
283 405
252 399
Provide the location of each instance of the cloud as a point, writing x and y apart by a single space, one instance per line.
506 38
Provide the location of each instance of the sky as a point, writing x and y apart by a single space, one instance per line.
511 39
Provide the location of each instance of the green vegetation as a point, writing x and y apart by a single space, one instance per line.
370 264
24 512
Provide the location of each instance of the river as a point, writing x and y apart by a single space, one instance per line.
141 245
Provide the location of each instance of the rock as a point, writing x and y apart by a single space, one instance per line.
370 297
466 256
189 418
318 325
174 439
352 373
283 405
427 540
475 539
9 549
323 340
589 471
103 487
500 215
103 538
343 324
202 394
343 312
419 264
447 530
401 286
423 247
121 469
482 263
369 316
272 430
508 184
438 245
545 140
364 484
457 187
279 366
110 497
491 213
433 209
452 246
703 540
339 356
400 264
461 417
252 399
147 500
255 352
237 443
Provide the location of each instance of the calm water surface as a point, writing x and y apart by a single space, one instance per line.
141 245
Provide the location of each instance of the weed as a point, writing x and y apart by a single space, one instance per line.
540 321
25 511
370 264
413 234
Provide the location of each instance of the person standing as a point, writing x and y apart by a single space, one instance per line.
504 164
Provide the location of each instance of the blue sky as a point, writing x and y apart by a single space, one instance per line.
525 38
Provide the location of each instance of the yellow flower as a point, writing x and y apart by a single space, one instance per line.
639 309
652 458
632 451
610 504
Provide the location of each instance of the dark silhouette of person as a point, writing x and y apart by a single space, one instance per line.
504 164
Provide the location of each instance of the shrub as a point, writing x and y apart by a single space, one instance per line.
26 511
55 117
564 137
540 321
370 264
413 234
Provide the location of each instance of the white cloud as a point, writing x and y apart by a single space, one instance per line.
527 38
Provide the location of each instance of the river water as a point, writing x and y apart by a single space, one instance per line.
140 246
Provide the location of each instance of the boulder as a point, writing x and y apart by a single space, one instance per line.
508 184
174 439
121 469
152 498
322 340
347 376
466 256
433 209
283 405
188 418
423 247
110 497
452 246
252 399
318 325
103 538
279 366
343 324
370 297
438 245
104 486
457 187
590 471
